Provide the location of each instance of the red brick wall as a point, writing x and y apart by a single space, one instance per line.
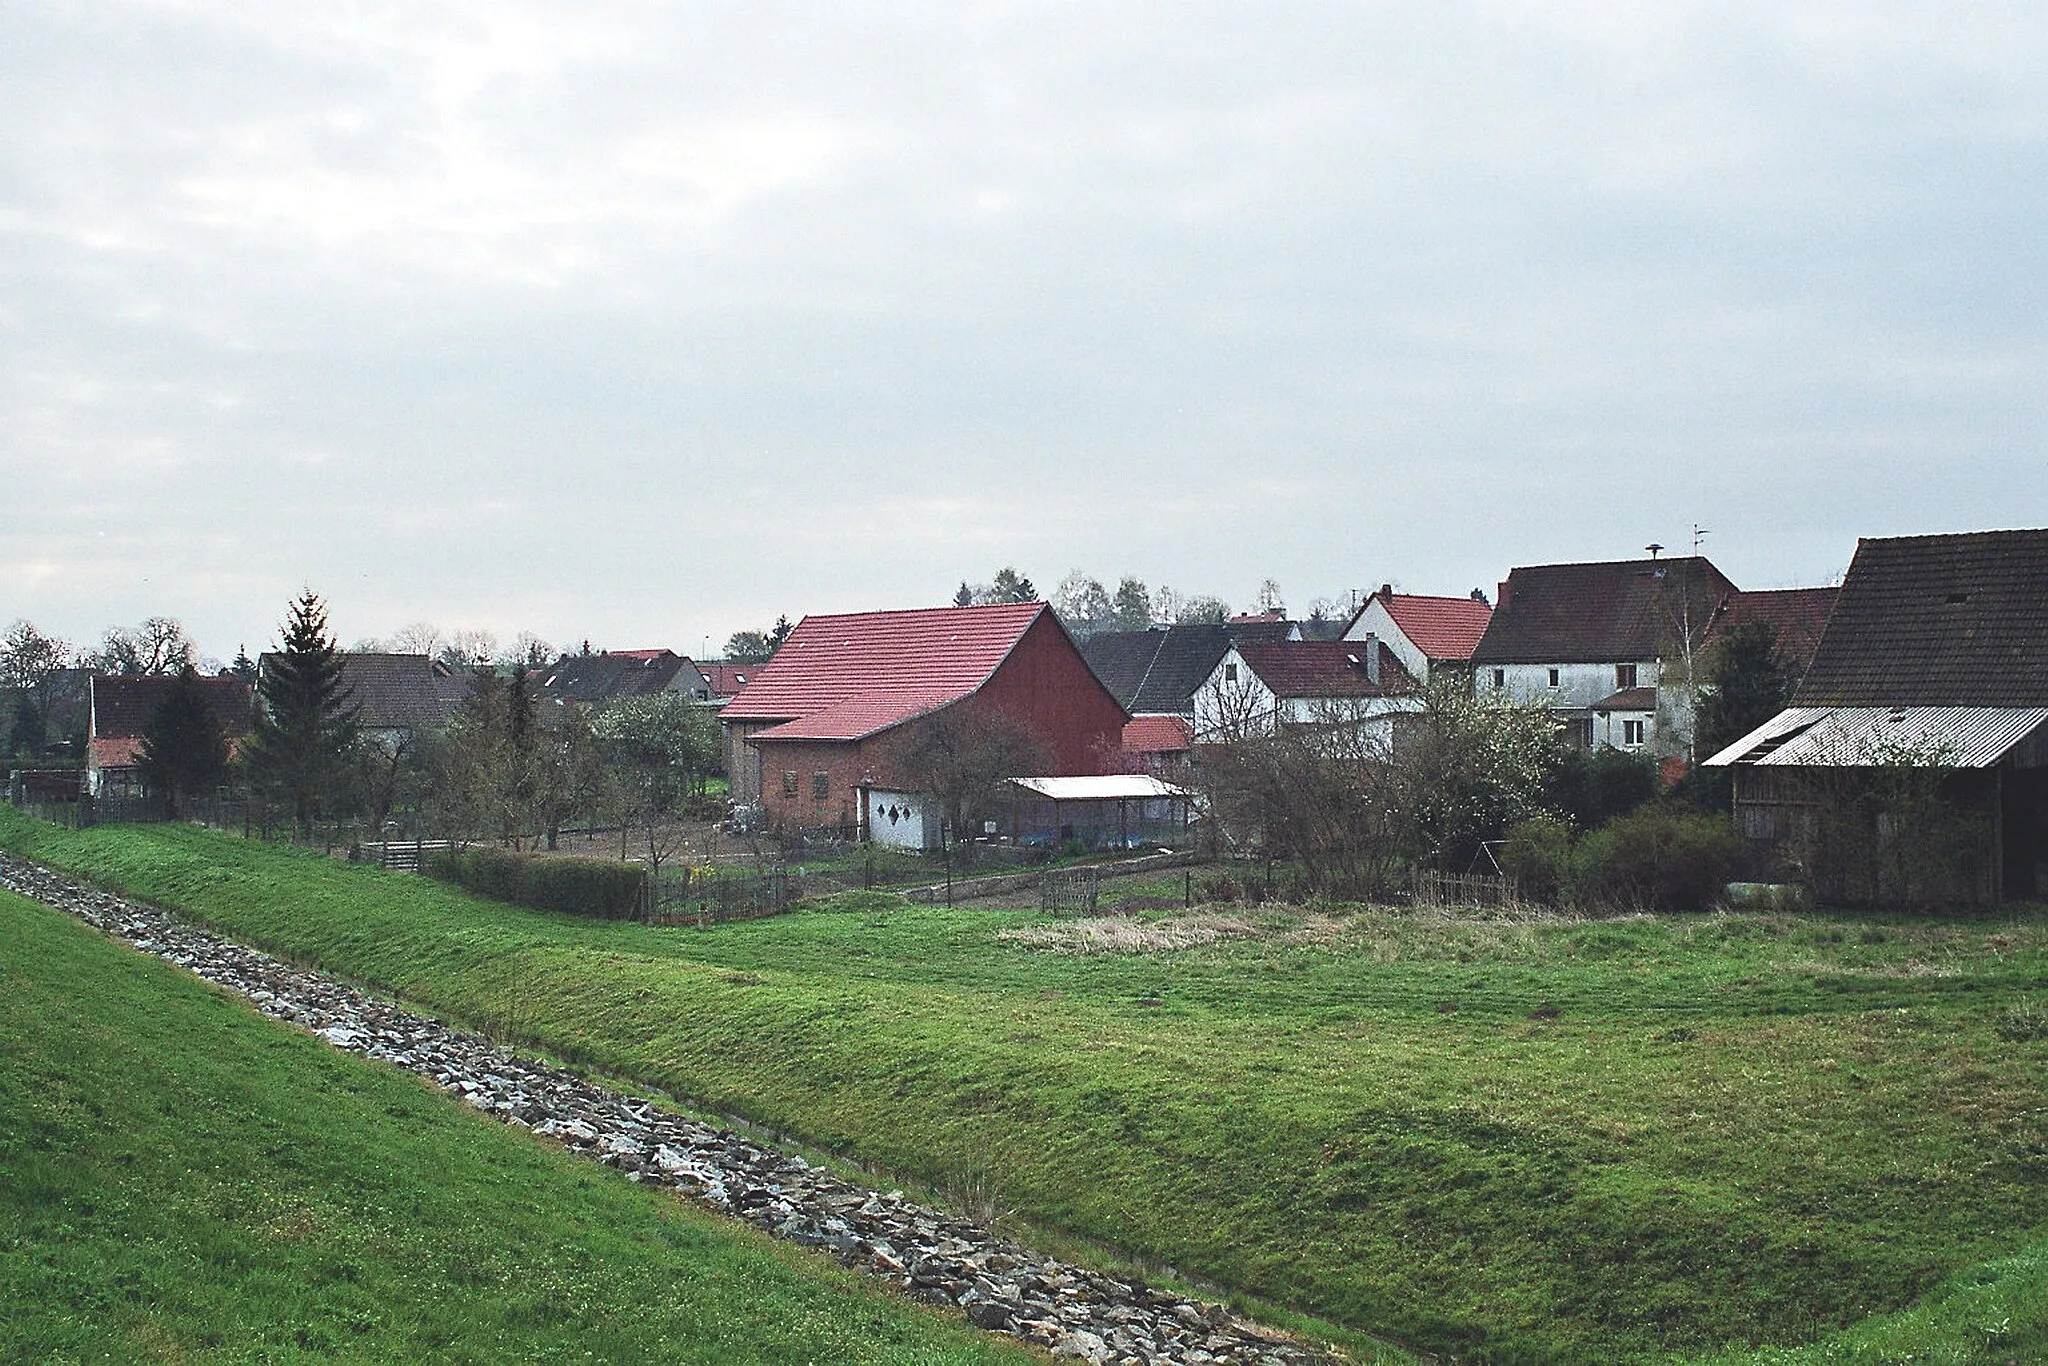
841 763
1048 688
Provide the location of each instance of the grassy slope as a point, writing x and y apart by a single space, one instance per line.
184 1178
1736 1130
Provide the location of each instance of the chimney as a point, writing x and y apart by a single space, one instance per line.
1372 658
1501 596
1386 591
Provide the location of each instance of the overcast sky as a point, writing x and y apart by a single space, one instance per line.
644 323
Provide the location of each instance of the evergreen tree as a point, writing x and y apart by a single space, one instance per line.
244 667
306 727
1748 683
184 750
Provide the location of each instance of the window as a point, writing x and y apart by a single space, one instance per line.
821 785
1631 733
1553 678
1624 676
1500 678
789 784
1230 673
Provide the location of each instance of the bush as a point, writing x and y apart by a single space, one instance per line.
1538 856
1660 858
572 886
1593 787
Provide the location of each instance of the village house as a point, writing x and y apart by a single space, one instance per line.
1259 688
818 735
394 696
1427 634
1913 760
595 679
119 711
1610 648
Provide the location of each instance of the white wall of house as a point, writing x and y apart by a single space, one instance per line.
1563 684
1668 729
1375 620
1629 730
1232 701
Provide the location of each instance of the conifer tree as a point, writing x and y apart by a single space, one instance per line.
184 750
306 727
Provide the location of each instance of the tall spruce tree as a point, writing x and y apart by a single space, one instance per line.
184 750
307 727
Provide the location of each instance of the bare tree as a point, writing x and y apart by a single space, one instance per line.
417 638
158 648
1082 603
961 756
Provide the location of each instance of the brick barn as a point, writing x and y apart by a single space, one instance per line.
826 723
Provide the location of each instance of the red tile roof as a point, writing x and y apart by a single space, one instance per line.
1798 615
847 676
1442 628
726 680
1157 734
1324 668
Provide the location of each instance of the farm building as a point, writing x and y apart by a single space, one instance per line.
1912 764
120 710
1605 646
864 703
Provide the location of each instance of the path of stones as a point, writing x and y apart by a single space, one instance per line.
1002 1286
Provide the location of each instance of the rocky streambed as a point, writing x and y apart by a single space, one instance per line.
999 1284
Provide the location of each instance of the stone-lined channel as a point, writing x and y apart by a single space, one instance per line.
999 1284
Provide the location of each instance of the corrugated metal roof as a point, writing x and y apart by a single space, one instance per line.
1851 737
1108 787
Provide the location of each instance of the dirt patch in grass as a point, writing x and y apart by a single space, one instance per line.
1118 934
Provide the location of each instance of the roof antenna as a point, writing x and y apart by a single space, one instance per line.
1699 533
1653 548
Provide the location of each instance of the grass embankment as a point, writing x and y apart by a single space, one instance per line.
181 1178
1592 1141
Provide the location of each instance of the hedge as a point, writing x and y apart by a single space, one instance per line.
573 886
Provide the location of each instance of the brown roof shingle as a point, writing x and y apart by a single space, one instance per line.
1600 613
1937 621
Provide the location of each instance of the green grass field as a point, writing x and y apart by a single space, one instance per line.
184 1179
1632 1140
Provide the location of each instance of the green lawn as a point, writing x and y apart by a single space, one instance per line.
1642 1139
181 1178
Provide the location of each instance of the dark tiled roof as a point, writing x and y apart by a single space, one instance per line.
1937 621
1628 699
122 706
1798 615
1600 613
1324 668
844 677
613 675
1156 671
394 691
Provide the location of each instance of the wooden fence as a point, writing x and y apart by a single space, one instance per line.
1431 888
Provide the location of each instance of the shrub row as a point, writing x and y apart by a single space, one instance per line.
1658 858
573 886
